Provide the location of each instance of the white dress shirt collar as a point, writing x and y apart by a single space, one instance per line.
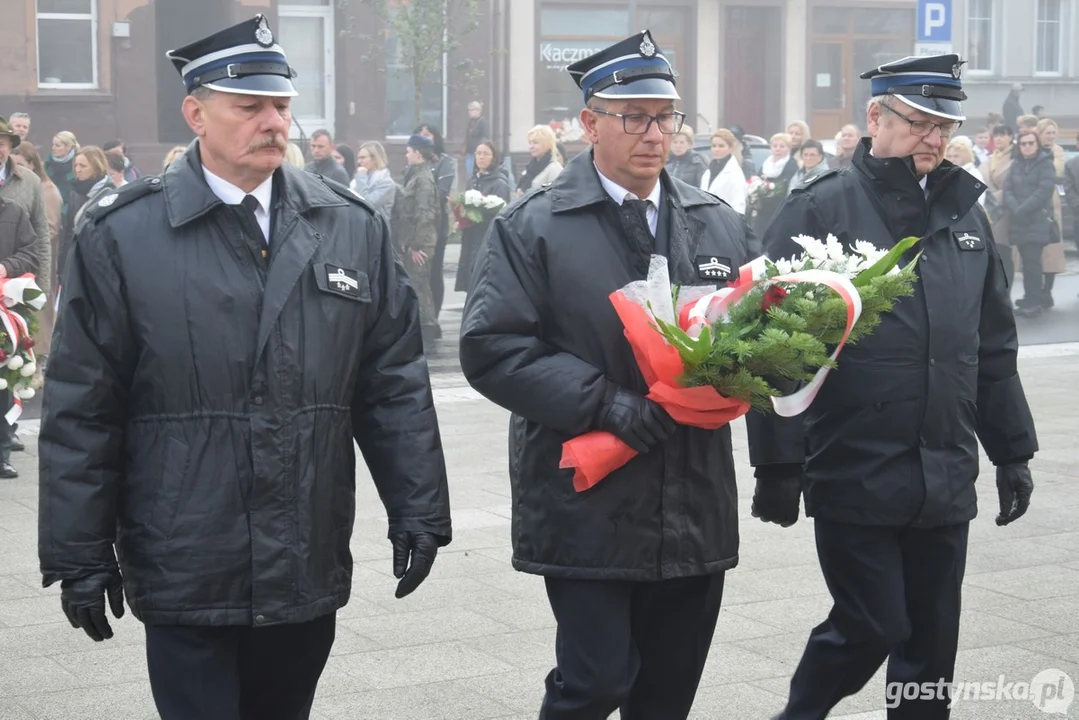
232 195
619 194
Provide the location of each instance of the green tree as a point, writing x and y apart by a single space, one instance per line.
426 31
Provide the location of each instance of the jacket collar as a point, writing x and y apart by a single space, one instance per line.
579 186
188 197
952 191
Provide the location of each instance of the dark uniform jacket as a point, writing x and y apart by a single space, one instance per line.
201 402
892 438
541 338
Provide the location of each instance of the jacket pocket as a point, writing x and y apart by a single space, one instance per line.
175 462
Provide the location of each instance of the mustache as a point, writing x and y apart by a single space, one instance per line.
274 141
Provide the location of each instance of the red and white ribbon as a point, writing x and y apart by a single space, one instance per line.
713 307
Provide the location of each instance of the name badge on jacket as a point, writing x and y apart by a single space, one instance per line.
713 268
968 242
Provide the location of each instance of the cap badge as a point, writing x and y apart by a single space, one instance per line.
957 71
107 200
648 48
263 36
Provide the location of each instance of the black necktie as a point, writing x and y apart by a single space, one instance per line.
248 206
634 217
251 205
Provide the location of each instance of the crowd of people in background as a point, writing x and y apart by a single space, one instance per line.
1016 155
1022 165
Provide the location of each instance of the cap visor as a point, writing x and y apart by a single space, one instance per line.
643 89
15 139
269 85
941 107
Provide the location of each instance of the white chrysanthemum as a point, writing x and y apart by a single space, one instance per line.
473 197
835 249
493 201
15 362
24 393
784 266
3 384
28 369
866 248
814 248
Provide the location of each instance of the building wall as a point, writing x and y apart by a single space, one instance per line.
1014 44
139 93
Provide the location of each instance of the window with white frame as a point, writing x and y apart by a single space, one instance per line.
67 44
980 35
1049 45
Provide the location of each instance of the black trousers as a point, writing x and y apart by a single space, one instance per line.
635 646
237 673
896 595
7 432
1033 280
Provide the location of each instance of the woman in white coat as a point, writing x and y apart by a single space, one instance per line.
724 177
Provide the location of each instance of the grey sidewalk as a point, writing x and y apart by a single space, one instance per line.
476 639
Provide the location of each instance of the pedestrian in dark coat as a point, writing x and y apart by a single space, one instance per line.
489 178
634 566
684 163
227 332
18 242
1028 202
888 451
18 256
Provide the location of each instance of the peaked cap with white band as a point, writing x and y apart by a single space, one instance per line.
634 68
243 59
932 84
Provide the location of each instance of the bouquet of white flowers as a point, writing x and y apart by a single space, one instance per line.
709 355
20 300
473 207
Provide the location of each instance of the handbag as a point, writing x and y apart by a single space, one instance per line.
1055 235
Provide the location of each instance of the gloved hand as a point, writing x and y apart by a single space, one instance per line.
777 499
1014 487
636 420
83 601
422 547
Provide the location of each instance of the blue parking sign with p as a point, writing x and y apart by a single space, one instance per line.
934 21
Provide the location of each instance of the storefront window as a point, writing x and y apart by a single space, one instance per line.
401 97
569 34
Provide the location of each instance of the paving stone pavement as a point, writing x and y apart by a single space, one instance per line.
475 641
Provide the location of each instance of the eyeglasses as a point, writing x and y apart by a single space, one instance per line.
924 128
641 123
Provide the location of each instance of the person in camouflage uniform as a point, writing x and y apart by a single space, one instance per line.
415 228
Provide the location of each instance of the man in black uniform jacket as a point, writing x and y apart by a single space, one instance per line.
634 566
228 331
888 452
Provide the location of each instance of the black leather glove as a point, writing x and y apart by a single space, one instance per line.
1014 486
777 498
637 421
83 601
422 548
